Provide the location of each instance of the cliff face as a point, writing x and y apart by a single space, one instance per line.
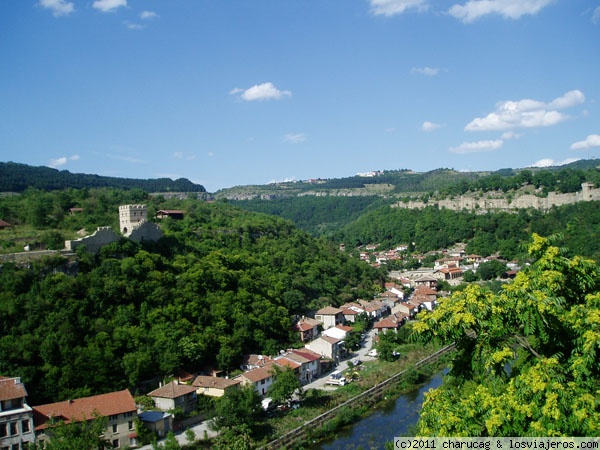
498 202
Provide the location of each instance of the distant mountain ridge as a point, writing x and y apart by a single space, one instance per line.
15 177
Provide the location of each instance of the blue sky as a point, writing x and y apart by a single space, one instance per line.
235 92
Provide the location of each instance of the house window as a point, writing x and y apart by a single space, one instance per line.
114 427
115 443
113 417
13 428
262 381
130 423
15 447
128 414
25 426
3 431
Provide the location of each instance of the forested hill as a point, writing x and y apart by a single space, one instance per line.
16 177
220 283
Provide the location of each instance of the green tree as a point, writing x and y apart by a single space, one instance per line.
237 407
527 357
285 385
76 436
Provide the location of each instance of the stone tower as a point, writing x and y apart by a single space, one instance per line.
131 217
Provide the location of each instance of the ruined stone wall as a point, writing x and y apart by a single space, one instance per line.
102 236
496 202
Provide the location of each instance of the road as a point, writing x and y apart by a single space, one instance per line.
319 383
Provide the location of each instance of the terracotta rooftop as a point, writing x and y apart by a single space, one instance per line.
85 408
260 373
307 353
11 388
284 361
172 390
203 381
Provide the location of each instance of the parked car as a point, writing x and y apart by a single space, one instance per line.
336 378
356 362
373 352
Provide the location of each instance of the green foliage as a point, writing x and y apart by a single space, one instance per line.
221 283
75 436
285 385
527 357
238 407
16 177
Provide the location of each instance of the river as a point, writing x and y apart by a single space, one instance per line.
382 426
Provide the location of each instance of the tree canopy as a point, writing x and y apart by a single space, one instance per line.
527 361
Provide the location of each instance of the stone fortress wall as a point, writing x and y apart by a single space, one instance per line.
133 224
499 202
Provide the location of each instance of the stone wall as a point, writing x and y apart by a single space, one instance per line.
102 236
500 202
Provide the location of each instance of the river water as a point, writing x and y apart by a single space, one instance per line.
383 425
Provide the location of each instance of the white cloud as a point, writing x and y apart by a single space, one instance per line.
264 91
108 5
547 162
477 147
148 15
393 7
181 155
593 140
596 15
430 126
510 135
511 9
429 71
58 7
134 26
526 113
296 138
54 163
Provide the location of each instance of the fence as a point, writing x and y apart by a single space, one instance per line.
370 396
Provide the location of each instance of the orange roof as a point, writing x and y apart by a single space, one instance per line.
172 390
285 362
11 388
306 354
260 373
85 408
329 310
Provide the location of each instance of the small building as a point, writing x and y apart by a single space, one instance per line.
214 386
307 328
159 422
118 407
16 417
260 378
330 316
175 214
175 395
328 347
4 224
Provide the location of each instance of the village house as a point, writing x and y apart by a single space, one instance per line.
118 407
16 417
390 323
338 332
175 395
175 214
427 281
309 363
329 316
4 224
409 308
214 386
308 328
328 347
261 378
425 297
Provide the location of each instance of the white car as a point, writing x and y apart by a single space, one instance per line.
373 353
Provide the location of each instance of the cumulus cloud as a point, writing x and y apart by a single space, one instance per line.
510 9
108 5
430 126
294 138
547 162
526 113
148 15
477 147
511 135
593 140
181 155
61 161
264 91
429 71
393 7
58 7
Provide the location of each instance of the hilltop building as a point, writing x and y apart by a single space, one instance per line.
16 417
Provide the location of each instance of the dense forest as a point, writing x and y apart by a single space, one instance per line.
16 177
220 283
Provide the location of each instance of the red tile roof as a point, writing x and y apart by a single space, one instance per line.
85 408
260 373
11 388
329 311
